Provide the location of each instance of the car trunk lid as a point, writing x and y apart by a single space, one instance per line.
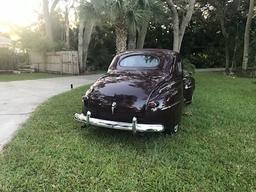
121 96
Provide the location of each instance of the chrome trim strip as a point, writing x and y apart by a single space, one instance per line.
133 126
173 105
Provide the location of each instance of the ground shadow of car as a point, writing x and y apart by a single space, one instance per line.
109 138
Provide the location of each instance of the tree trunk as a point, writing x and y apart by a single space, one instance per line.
179 29
87 39
121 36
227 57
47 16
54 4
247 36
233 63
176 23
142 34
186 20
48 25
132 39
226 37
84 38
81 45
176 31
67 39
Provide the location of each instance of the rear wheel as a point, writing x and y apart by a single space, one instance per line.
189 101
172 129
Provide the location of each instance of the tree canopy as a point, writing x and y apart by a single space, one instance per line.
207 33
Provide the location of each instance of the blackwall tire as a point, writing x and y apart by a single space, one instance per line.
172 130
190 101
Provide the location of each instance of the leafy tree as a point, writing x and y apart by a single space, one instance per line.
47 16
101 49
228 16
179 9
90 13
123 15
152 11
247 35
33 41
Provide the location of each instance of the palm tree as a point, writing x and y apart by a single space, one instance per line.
47 12
153 12
118 14
125 16
89 13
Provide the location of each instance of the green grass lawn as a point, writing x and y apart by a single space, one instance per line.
214 150
26 76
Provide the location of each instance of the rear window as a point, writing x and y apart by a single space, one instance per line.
140 61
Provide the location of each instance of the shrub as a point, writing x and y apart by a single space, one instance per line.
188 66
102 48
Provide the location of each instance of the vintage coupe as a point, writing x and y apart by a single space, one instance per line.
143 91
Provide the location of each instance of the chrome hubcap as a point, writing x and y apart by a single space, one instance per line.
176 128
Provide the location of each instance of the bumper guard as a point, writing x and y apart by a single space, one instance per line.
134 126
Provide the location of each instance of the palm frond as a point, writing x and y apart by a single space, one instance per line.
87 10
93 9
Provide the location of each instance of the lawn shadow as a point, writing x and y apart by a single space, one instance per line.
139 142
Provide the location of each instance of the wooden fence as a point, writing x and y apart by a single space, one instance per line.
8 59
63 62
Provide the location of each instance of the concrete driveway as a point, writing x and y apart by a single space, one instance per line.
18 99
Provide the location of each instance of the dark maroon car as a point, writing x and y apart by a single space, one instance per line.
143 91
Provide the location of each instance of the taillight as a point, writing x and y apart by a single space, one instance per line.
84 98
153 104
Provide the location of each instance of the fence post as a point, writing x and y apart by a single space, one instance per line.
61 61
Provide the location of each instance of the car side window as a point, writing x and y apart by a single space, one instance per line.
179 67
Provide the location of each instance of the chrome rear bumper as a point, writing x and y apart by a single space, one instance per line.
133 126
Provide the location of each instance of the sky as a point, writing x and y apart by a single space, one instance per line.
18 13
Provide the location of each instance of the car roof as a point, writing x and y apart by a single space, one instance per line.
150 50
